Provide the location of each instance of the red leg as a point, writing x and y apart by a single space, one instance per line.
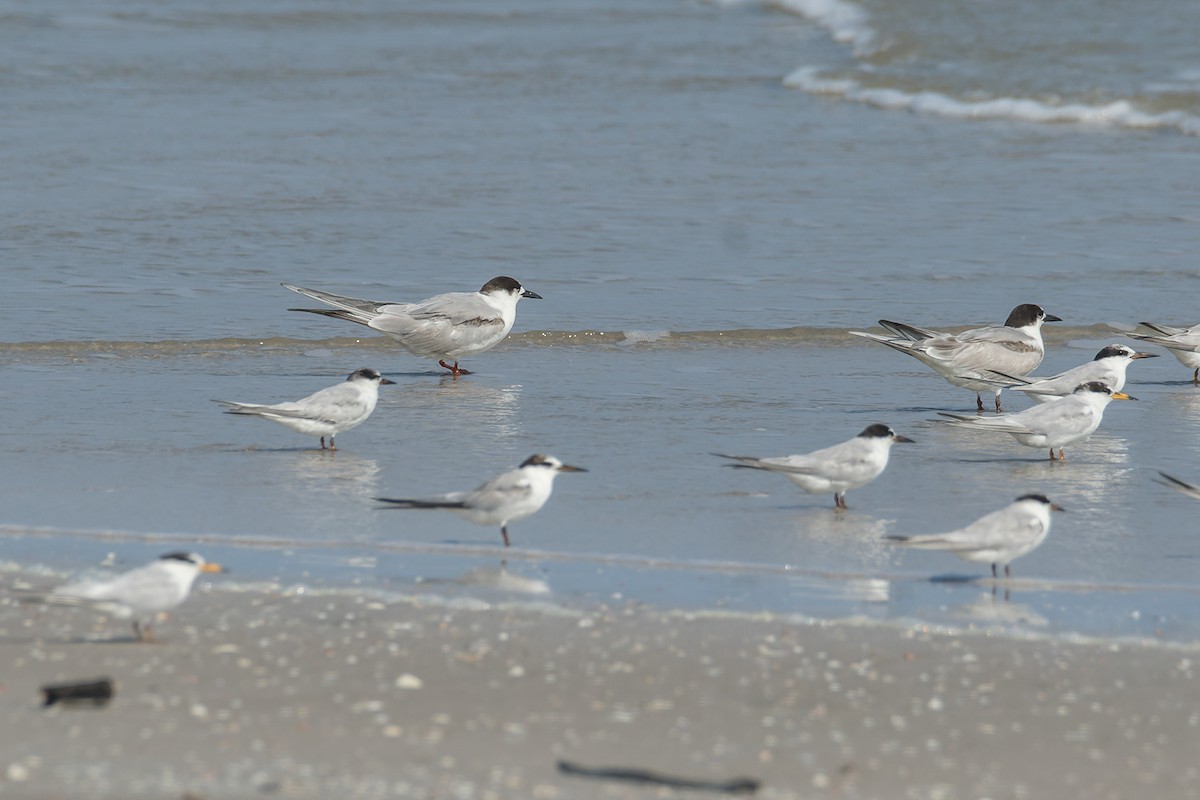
454 370
979 404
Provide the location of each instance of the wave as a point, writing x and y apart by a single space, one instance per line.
1120 113
798 336
887 76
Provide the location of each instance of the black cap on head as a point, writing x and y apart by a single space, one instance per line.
1028 314
1041 498
1114 350
877 431
537 460
364 372
179 555
501 283
1100 387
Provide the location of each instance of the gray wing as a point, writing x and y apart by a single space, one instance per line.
500 492
333 405
997 530
442 323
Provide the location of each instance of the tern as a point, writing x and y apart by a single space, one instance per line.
1108 367
509 497
139 594
849 465
966 359
997 538
328 412
446 326
1184 344
1052 425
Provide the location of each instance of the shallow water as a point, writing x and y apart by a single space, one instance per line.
703 233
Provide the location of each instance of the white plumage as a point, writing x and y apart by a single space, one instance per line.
966 359
328 412
446 326
836 469
997 538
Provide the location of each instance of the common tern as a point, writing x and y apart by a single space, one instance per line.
836 469
325 413
446 326
1108 367
997 538
139 594
964 359
1052 425
1180 486
509 497
1184 344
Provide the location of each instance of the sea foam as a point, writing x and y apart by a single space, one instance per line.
1117 114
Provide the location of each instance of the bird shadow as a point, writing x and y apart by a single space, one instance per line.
1008 460
955 577
77 640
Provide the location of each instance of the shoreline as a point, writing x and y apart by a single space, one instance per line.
267 694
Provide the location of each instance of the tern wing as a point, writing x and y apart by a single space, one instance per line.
906 331
999 349
348 308
1179 485
996 531
798 465
1161 330
442 324
500 492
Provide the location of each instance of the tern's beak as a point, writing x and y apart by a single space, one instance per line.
1122 396
1056 507
531 295
1052 318
386 382
1144 355
569 468
899 438
211 567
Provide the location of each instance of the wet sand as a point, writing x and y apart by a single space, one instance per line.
261 693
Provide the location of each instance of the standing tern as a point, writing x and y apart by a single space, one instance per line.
509 497
997 538
836 469
1184 344
1108 367
446 326
326 413
964 359
139 594
1052 425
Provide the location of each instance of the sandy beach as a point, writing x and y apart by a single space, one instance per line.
266 693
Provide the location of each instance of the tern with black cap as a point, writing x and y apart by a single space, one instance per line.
848 465
328 412
509 497
1000 537
966 359
446 326
139 594
1052 425
1108 367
